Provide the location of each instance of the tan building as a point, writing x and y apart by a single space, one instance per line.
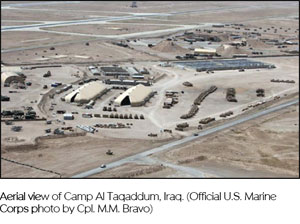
205 51
87 92
135 96
8 77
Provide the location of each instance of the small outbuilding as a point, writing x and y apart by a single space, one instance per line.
68 117
168 102
94 70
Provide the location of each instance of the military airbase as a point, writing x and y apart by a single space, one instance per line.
149 89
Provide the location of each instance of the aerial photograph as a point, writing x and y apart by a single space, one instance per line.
149 89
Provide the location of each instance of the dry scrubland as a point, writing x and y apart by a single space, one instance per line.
265 147
77 152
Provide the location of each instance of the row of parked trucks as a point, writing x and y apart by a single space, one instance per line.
19 114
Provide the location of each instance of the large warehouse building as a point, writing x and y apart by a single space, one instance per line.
86 92
135 96
205 51
8 77
114 71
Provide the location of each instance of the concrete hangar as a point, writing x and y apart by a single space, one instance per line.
86 93
8 77
135 96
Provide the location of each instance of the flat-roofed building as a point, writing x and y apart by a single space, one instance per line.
94 70
168 102
138 77
128 82
205 51
133 71
114 71
68 117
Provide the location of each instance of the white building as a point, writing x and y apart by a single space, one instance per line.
87 92
135 96
68 117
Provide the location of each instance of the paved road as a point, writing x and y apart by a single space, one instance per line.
128 35
101 37
117 18
203 133
36 3
105 19
74 22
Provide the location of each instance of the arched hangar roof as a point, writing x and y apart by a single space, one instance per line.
136 94
8 77
86 92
